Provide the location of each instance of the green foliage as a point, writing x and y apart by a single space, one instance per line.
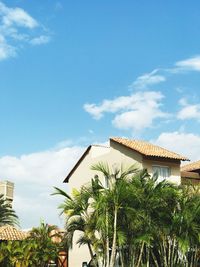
16 253
135 221
7 214
37 250
45 249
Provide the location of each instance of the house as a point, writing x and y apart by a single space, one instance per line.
190 173
127 152
123 152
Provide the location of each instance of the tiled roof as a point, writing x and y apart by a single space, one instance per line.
8 232
191 166
148 149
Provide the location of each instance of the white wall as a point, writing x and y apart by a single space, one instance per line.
175 176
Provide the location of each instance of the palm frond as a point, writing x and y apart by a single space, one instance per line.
60 192
101 167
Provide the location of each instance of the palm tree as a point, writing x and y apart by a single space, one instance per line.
7 214
94 211
45 249
158 202
78 217
134 220
186 225
110 204
172 216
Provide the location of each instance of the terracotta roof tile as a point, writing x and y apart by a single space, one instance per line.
148 149
191 166
8 232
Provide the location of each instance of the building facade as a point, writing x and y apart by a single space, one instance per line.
121 152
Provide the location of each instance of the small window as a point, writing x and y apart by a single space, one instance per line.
162 171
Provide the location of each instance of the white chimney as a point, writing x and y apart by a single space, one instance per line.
7 189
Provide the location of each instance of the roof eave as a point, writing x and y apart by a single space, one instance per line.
143 154
160 157
66 180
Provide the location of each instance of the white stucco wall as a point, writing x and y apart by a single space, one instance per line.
175 176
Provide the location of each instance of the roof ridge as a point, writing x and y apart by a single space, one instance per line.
99 145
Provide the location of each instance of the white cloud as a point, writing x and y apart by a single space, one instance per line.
16 16
139 110
109 106
6 50
42 39
16 26
192 63
135 112
187 144
138 120
34 176
148 79
31 210
41 168
188 111
159 75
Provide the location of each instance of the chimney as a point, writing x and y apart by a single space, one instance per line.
7 189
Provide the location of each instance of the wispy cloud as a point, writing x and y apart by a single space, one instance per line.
135 112
148 79
42 39
160 75
16 26
6 50
188 111
190 64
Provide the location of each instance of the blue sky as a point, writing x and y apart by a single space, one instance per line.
77 72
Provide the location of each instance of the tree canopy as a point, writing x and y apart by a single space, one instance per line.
135 220
7 214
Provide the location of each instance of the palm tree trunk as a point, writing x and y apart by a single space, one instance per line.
164 253
195 255
92 254
113 253
192 258
169 241
172 261
133 259
140 255
121 258
148 256
154 259
90 250
107 242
